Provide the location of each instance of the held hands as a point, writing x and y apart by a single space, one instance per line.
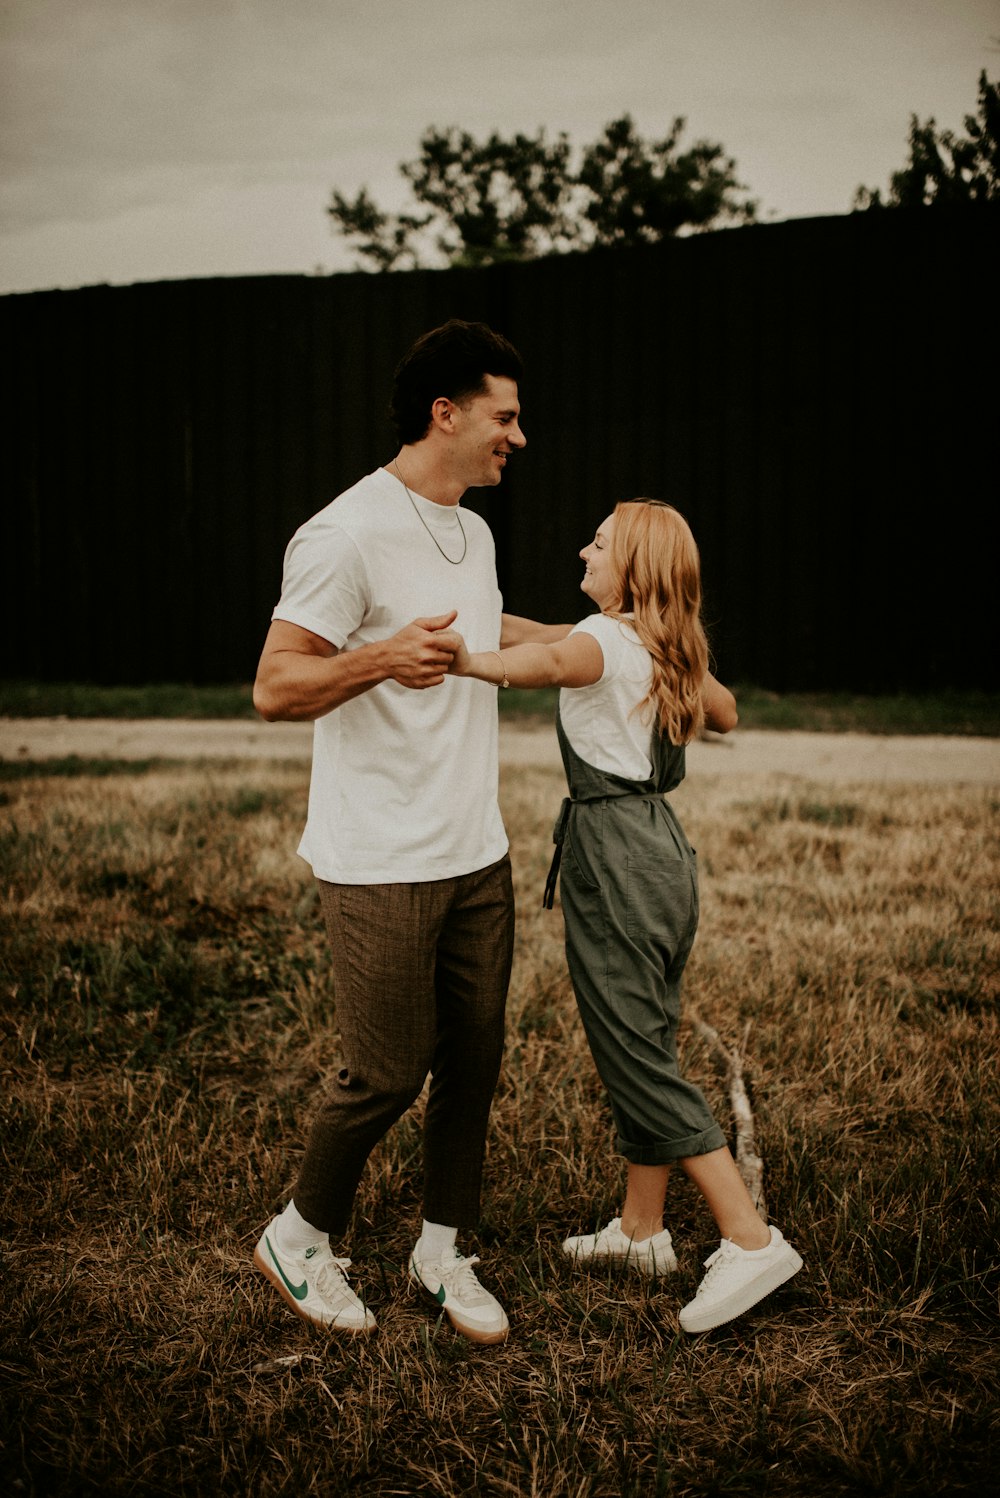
461 661
424 651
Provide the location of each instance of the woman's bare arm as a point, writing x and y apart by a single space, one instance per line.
577 661
720 706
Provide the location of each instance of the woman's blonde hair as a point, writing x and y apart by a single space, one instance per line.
657 573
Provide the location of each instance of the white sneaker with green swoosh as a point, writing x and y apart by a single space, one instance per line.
471 1310
314 1284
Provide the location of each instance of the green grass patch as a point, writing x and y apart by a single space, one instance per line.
971 713
73 766
64 699
974 713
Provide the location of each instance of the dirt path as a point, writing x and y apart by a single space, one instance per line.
813 756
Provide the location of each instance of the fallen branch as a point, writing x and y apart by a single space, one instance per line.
748 1161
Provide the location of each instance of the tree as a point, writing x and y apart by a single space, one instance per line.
643 191
945 169
519 199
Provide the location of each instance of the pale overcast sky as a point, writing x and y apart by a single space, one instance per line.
163 139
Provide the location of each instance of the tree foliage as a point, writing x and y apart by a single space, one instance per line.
518 199
645 191
944 168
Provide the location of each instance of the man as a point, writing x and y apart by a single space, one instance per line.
403 832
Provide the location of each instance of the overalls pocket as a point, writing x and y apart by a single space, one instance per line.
579 862
661 901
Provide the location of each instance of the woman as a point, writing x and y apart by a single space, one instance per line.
637 689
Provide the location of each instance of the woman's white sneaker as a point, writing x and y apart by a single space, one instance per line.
737 1279
611 1246
471 1310
314 1283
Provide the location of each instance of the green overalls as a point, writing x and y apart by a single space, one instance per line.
630 903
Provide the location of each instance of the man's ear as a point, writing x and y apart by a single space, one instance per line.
443 414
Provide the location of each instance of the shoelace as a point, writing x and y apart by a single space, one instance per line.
722 1256
324 1275
459 1276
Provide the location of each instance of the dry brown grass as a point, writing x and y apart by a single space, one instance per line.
167 1023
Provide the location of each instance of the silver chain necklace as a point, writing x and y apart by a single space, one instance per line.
455 561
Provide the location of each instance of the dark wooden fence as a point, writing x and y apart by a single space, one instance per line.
819 397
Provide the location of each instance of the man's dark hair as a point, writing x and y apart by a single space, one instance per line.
452 361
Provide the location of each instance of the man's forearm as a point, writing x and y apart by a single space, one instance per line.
292 687
515 630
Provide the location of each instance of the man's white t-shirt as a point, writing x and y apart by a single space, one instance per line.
404 782
603 722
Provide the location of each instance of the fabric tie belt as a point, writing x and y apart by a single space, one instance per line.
562 821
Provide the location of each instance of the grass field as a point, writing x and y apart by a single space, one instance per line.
167 1025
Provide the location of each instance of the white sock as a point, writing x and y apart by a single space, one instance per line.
436 1242
294 1234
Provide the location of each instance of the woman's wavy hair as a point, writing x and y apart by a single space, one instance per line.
657 572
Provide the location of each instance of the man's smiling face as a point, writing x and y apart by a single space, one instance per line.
487 430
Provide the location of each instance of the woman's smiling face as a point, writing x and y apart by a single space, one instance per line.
597 582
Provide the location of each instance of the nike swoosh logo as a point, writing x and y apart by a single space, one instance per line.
299 1291
439 1295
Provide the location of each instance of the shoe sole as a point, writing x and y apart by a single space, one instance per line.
593 1261
265 1269
751 1295
473 1333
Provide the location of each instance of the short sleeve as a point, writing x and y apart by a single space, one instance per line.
324 585
609 635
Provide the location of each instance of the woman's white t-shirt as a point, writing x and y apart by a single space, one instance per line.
603 722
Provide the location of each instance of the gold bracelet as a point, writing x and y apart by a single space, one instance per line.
503 668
